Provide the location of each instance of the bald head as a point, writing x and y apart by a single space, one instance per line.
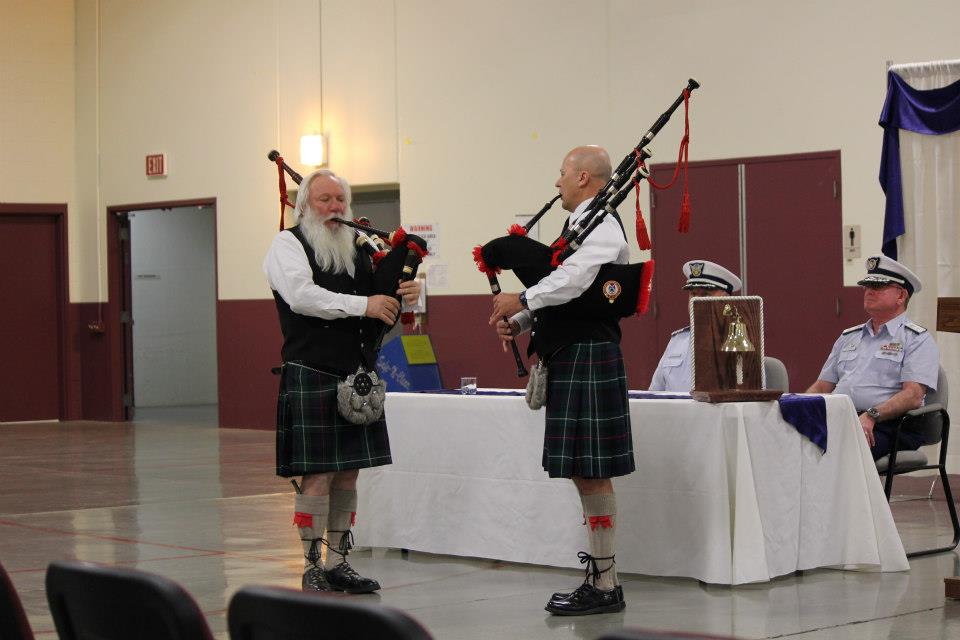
583 172
592 159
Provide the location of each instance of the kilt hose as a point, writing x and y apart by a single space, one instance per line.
588 417
312 436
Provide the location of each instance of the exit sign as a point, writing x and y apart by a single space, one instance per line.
156 165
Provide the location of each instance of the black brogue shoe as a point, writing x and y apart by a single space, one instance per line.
587 600
343 578
315 579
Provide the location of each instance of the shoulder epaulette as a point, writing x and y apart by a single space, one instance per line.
686 328
913 326
852 329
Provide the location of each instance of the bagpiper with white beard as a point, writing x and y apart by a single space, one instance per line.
323 290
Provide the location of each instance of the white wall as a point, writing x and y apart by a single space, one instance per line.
468 105
174 292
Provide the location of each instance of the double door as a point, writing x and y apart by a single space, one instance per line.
776 223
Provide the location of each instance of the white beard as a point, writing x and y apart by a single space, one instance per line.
333 249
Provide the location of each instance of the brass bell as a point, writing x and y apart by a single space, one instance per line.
737 340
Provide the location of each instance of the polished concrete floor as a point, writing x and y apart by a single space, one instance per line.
174 495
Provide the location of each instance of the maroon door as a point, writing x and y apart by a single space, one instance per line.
30 294
794 257
792 248
713 235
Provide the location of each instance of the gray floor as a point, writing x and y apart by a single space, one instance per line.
174 495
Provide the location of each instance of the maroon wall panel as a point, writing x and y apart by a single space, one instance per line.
248 346
249 340
30 282
90 365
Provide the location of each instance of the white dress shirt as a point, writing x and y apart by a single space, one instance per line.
605 244
288 273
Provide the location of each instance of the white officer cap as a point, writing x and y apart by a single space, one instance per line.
703 274
884 270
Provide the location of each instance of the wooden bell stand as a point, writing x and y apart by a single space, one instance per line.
718 324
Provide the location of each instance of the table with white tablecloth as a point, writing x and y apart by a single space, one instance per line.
725 493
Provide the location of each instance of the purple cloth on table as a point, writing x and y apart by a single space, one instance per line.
808 415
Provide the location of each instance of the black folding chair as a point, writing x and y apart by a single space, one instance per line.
13 621
932 422
109 603
273 613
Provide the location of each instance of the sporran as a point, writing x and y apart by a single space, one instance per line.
360 397
537 386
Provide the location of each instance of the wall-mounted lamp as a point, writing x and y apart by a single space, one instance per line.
313 150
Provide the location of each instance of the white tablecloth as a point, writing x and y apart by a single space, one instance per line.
725 493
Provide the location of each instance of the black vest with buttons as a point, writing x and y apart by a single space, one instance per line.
562 325
334 346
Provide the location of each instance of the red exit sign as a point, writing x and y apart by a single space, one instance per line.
157 165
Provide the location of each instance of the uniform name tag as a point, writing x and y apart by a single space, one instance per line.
891 348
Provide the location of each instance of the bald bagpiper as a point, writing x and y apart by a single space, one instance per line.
887 364
704 278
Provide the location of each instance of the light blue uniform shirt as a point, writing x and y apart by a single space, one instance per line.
872 368
673 371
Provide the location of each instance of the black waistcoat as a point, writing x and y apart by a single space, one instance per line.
562 325
329 345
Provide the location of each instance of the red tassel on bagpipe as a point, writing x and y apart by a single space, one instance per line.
481 265
378 256
643 238
683 161
646 284
284 201
517 230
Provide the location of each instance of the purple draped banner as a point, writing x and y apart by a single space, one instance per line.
927 111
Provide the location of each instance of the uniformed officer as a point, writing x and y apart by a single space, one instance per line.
887 364
704 278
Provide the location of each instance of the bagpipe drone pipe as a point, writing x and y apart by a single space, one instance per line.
618 290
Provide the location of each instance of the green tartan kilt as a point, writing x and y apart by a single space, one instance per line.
312 436
588 416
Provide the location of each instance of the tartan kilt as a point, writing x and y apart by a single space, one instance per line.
312 436
588 416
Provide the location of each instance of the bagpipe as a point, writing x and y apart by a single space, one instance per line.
395 257
619 290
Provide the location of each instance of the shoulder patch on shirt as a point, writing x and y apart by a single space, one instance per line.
913 326
678 331
852 329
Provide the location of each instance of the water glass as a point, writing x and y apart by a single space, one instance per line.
468 385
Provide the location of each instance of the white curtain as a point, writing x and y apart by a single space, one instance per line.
930 166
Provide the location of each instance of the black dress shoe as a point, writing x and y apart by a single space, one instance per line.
587 600
343 578
563 596
315 579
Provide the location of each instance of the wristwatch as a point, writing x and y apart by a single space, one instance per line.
874 413
523 299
